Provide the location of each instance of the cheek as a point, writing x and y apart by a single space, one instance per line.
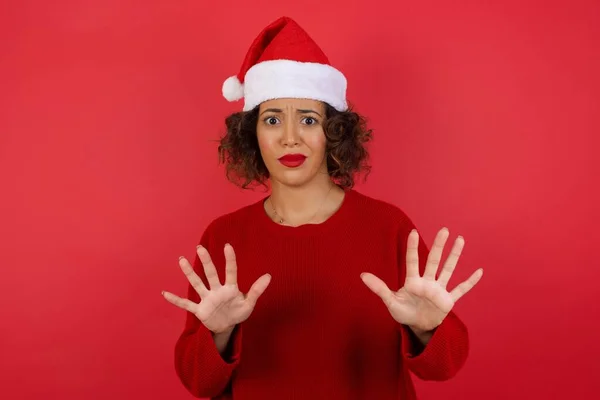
265 143
316 142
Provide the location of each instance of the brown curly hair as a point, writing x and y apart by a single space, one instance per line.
346 135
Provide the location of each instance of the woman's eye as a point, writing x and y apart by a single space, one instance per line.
271 120
310 121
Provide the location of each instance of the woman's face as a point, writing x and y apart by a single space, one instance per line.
292 128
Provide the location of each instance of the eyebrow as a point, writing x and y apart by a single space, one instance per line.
302 111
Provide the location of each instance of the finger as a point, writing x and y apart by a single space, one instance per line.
209 268
412 254
435 254
467 285
230 265
451 262
179 302
378 287
192 277
258 288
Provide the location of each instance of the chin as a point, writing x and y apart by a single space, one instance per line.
291 180
295 177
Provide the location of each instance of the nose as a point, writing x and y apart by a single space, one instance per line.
291 137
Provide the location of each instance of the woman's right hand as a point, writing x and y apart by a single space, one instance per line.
221 307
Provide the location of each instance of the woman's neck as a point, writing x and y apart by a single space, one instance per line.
310 203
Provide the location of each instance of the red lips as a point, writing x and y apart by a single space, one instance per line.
292 160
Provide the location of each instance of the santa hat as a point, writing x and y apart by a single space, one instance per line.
285 62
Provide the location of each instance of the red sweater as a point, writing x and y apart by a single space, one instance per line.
317 332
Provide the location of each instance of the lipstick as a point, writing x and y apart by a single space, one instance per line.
292 160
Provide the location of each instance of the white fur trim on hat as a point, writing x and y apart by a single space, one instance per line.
293 79
233 89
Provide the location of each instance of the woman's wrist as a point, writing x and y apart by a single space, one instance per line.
423 336
222 339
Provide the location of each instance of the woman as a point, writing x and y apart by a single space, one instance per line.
296 295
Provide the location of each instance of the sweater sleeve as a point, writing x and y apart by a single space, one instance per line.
198 363
447 350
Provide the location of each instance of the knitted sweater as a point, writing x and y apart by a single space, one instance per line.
317 332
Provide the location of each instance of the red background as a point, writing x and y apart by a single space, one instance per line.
485 119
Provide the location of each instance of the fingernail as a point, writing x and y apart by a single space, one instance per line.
180 258
162 293
198 247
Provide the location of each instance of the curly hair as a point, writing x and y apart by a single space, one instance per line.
346 135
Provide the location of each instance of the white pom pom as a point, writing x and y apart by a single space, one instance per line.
233 89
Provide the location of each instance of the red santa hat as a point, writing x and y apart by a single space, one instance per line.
285 62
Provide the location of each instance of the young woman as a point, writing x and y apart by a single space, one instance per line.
316 291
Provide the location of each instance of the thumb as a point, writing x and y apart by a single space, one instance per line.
258 288
377 286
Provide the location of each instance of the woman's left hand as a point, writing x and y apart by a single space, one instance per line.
423 302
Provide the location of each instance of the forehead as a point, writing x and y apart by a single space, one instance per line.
293 104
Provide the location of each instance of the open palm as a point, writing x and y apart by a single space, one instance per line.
423 302
222 306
